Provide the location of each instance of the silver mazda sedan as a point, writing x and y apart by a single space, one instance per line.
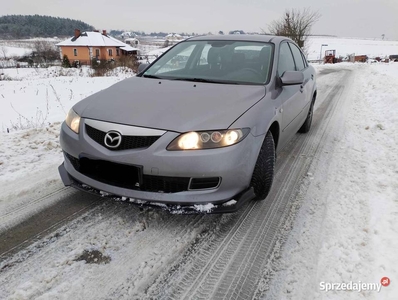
199 126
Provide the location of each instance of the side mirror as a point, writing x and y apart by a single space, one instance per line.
142 67
292 78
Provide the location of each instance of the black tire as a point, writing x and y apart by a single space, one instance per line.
307 124
263 173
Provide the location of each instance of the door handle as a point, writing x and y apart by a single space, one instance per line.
312 76
301 88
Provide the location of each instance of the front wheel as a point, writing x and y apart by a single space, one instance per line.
263 173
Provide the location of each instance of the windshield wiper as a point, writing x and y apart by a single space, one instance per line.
205 80
152 76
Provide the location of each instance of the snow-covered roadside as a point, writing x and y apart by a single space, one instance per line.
32 109
345 231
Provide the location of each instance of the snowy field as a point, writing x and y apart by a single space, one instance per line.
10 51
346 46
343 46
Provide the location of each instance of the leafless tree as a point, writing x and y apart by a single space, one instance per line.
45 52
3 52
3 58
128 61
295 24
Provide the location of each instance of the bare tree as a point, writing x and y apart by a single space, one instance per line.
295 24
3 58
45 52
3 52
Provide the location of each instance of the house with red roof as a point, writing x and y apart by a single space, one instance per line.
84 46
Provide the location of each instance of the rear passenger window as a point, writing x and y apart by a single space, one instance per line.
298 58
286 62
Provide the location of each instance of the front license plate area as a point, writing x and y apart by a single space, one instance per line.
121 175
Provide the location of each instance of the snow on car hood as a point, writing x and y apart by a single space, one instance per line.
170 105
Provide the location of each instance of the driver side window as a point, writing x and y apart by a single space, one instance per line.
286 61
177 62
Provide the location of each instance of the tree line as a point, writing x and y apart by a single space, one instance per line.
19 26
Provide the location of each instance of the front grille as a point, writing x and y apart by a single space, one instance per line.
204 183
127 176
128 141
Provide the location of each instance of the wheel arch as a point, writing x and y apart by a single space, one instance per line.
275 130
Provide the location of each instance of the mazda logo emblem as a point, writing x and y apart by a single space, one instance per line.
113 139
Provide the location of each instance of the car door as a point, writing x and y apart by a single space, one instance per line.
308 84
292 96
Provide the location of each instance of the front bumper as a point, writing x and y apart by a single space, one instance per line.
233 164
227 207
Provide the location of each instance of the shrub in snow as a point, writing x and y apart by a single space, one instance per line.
65 62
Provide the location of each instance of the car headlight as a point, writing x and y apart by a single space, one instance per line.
196 140
73 120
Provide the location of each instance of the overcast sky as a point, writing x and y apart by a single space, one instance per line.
345 18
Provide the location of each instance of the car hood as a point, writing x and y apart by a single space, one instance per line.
170 105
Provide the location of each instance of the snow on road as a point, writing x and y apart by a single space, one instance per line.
344 231
136 246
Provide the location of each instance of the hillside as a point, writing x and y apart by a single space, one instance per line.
18 26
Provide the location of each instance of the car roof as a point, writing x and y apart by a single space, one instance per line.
241 37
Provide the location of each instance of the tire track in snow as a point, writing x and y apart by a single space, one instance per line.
156 241
13 214
69 204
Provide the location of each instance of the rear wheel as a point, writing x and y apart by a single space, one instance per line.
307 124
263 173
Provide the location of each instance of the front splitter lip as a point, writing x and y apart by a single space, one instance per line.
229 206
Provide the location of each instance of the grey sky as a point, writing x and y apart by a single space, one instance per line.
346 18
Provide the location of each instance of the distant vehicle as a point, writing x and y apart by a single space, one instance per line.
393 58
361 58
330 57
200 125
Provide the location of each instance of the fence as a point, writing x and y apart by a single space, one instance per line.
146 59
12 64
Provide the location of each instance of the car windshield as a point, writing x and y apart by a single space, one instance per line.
231 62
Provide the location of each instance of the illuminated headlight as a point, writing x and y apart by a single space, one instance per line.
208 139
73 120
